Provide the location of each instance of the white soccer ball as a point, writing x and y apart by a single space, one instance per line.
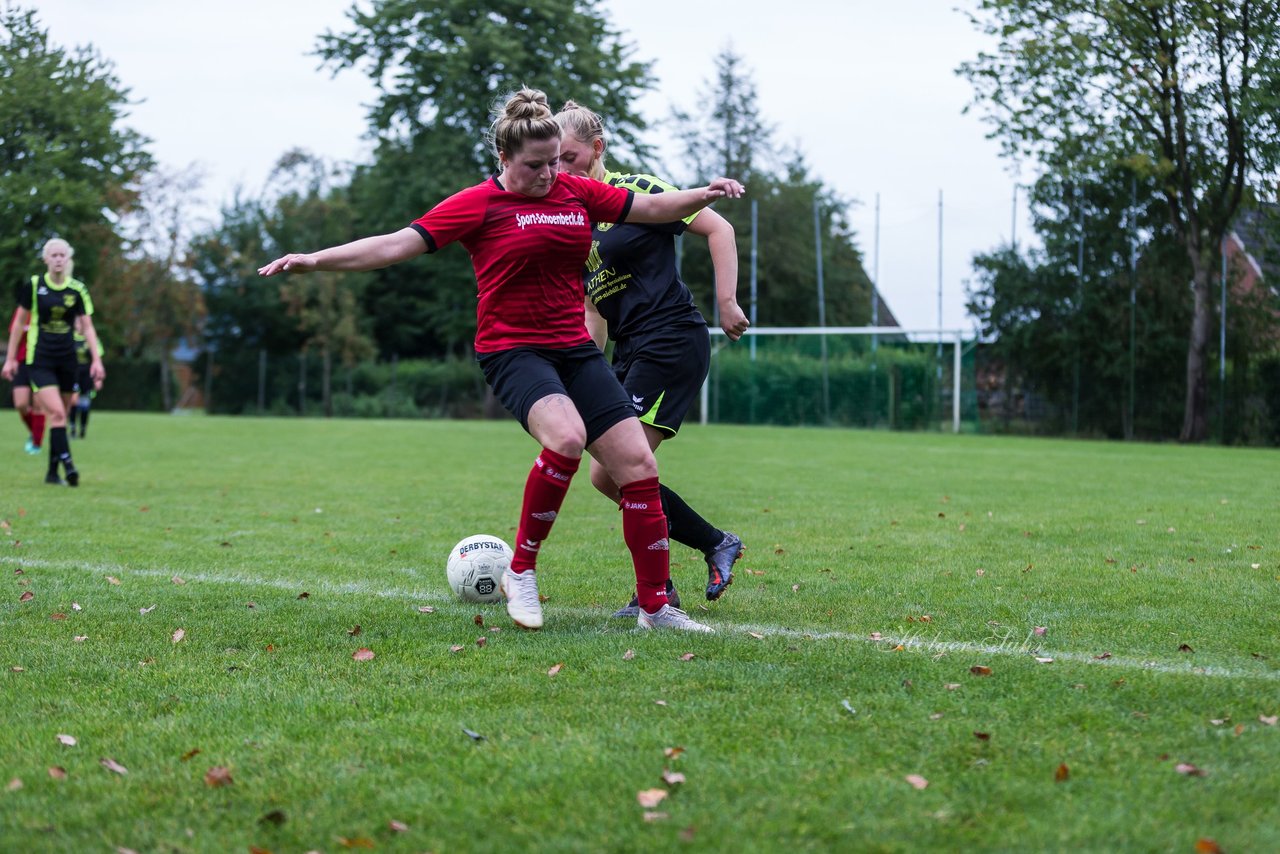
475 568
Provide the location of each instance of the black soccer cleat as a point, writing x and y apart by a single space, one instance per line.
52 479
69 468
720 563
632 610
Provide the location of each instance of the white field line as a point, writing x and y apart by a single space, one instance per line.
936 645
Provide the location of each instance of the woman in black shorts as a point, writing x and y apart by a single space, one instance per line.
661 353
528 232
51 304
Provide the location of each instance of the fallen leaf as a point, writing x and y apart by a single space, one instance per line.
218 776
1103 656
936 716
190 754
1218 721
672 778
652 815
57 616
1062 773
1239 730
848 707
426 609
672 752
113 579
1185 648
455 648
354 630
68 740
304 595
875 636
688 656
27 596
951 686
177 580
1040 630
363 654
1204 845
555 668
659 702
916 781
982 736
14 785
57 772
146 610
397 826
1043 660
474 736
276 817
18 668
1190 770
355 841
980 670
179 635
980 572
481 641
756 635
650 798
628 655
1269 720
112 765
75 606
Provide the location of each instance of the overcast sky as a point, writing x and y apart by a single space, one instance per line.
865 88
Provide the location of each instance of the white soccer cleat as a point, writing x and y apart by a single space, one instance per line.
521 590
670 618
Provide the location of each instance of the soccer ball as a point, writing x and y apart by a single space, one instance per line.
475 568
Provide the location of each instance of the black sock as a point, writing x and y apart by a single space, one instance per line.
685 526
84 421
59 448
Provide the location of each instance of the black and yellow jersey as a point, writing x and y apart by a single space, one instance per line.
54 309
631 275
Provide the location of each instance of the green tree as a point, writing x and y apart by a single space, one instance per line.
725 135
439 67
1187 92
69 164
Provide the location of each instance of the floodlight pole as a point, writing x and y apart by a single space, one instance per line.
755 206
822 312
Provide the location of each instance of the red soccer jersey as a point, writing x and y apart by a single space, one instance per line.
21 355
528 254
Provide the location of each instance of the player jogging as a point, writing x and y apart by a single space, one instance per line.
51 304
661 353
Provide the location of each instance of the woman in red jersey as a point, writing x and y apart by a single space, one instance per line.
528 231
22 400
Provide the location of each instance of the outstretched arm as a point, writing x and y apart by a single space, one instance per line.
367 253
678 204
724 259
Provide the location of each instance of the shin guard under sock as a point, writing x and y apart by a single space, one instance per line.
544 492
644 527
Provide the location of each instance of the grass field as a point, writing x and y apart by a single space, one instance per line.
881 635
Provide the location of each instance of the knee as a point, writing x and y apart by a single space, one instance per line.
566 440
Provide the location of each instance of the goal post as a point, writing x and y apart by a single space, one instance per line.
878 335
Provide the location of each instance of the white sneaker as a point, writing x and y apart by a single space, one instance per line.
521 590
670 618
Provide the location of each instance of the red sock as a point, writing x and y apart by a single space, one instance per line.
37 428
544 492
26 419
644 527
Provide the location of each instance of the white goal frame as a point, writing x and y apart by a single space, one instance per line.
954 336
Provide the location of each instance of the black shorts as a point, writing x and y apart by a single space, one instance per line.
23 377
84 380
523 376
58 371
663 373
